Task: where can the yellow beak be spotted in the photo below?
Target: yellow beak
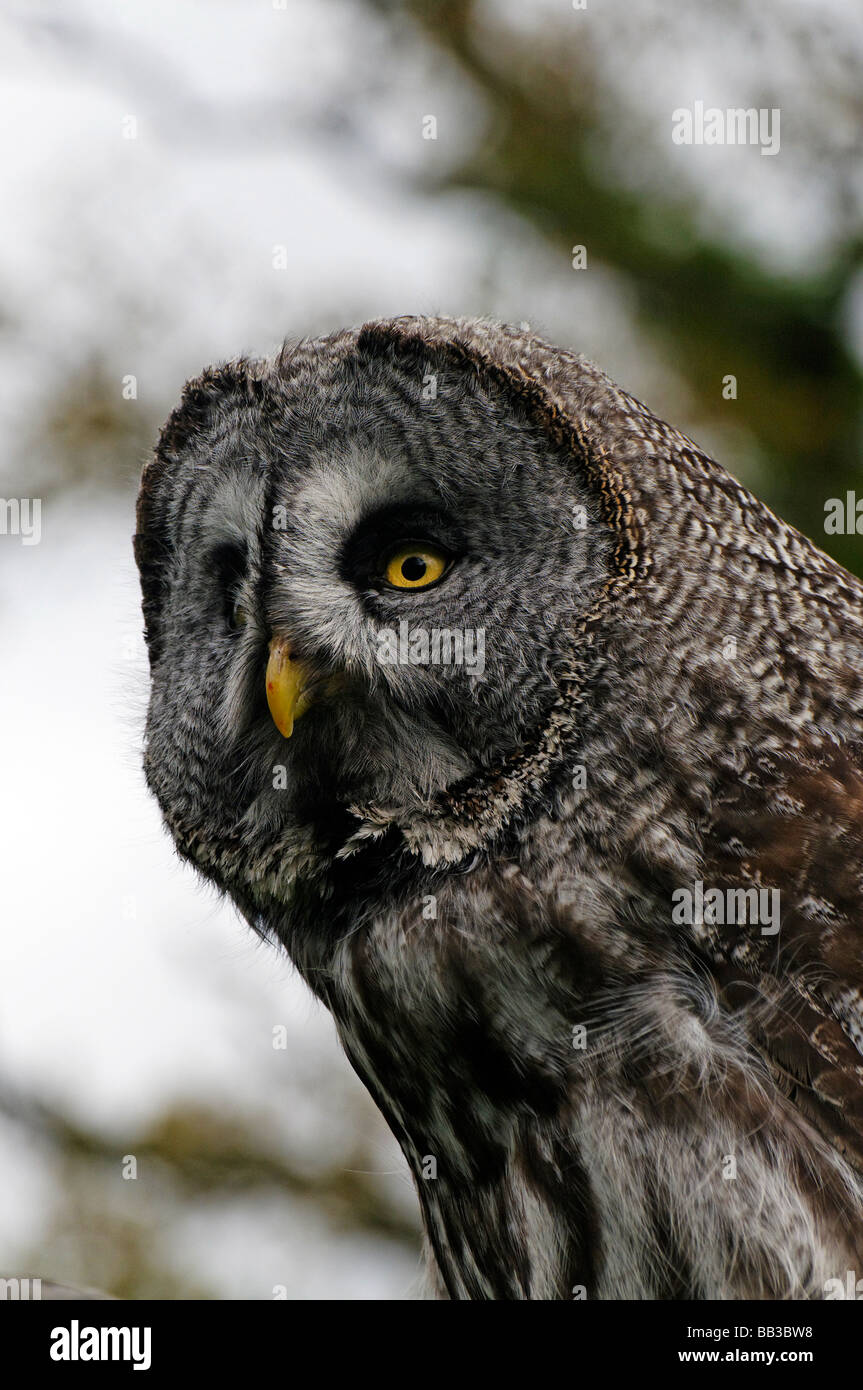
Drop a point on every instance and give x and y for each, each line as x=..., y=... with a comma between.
x=288, y=682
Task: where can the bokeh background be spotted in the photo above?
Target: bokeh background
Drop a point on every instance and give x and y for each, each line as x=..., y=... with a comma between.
x=182, y=182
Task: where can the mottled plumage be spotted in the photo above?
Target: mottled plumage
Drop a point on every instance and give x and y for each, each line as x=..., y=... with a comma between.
x=477, y=872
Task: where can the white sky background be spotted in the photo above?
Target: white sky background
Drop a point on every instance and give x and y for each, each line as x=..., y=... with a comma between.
x=123, y=985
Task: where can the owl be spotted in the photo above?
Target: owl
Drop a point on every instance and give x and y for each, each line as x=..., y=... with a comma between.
x=534, y=739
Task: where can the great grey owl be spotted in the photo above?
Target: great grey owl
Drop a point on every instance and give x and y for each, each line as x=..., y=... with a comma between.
x=532, y=736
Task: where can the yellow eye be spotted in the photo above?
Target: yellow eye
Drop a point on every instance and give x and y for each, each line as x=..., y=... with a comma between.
x=415, y=566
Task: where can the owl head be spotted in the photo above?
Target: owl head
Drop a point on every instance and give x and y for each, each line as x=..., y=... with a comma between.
x=363, y=562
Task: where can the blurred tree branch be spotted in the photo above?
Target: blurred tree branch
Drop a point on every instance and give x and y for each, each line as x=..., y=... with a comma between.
x=208, y=1152
x=188, y=1154
x=800, y=391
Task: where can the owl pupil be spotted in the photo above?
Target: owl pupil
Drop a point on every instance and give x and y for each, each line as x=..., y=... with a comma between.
x=413, y=568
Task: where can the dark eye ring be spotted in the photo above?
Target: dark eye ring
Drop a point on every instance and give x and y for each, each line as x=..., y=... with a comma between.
x=238, y=614
x=230, y=563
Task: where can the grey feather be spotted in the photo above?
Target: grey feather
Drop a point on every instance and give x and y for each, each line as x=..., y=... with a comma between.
x=475, y=868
